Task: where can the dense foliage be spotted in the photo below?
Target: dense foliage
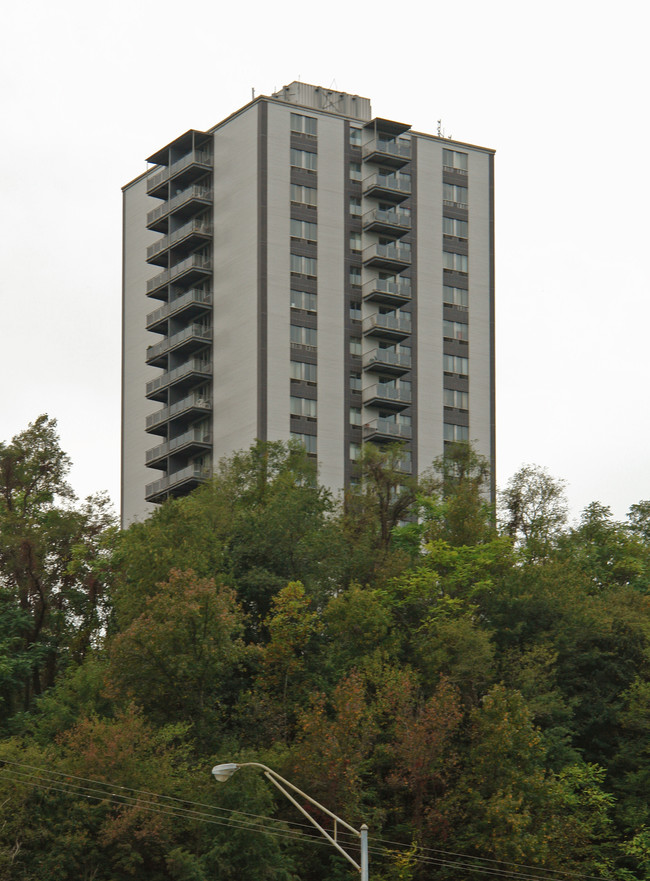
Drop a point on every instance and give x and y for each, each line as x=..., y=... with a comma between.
x=474, y=689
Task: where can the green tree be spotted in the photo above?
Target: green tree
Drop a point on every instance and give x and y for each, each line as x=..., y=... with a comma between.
x=54, y=555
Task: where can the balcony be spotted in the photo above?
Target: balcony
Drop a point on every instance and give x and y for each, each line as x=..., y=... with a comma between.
x=191, y=406
x=191, y=302
x=393, y=257
x=194, y=439
x=189, y=200
x=387, y=151
x=387, y=222
x=193, y=337
x=192, y=371
x=383, y=290
x=387, y=361
x=176, y=483
x=193, y=165
x=190, y=235
x=386, y=394
x=389, y=187
x=192, y=269
x=394, y=326
x=386, y=431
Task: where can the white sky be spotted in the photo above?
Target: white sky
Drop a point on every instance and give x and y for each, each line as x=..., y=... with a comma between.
x=558, y=89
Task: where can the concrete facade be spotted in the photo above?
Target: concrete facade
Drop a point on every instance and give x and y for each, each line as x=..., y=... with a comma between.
x=304, y=270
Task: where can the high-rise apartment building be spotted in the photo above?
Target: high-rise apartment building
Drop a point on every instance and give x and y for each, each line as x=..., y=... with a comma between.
x=305, y=270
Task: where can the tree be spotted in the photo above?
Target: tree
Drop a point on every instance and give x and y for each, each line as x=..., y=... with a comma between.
x=179, y=659
x=53, y=563
x=534, y=509
x=256, y=525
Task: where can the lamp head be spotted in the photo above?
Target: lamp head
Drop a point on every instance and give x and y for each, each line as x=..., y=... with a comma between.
x=224, y=772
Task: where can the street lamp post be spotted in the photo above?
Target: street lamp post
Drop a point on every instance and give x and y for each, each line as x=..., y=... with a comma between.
x=224, y=772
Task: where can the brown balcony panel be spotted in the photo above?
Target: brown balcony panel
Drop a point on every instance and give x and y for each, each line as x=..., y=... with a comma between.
x=387, y=361
x=387, y=326
x=381, y=290
x=193, y=337
x=191, y=372
x=190, y=304
x=385, y=431
x=194, y=440
x=176, y=484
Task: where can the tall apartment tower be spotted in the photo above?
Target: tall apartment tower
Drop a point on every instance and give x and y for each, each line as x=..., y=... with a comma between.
x=305, y=270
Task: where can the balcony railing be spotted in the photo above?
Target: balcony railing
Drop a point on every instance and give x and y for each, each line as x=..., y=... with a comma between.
x=394, y=256
x=194, y=436
x=195, y=366
x=386, y=392
x=176, y=479
x=194, y=227
x=389, y=186
x=385, y=429
x=388, y=152
x=387, y=220
x=387, y=291
x=194, y=157
x=193, y=401
x=194, y=262
x=390, y=359
x=198, y=332
x=196, y=192
x=185, y=301
x=387, y=325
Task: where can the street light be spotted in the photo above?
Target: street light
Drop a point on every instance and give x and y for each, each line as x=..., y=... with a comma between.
x=225, y=771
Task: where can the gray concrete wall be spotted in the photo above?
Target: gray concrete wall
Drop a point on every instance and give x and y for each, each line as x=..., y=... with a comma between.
x=479, y=302
x=235, y=284
x=332, y=248
x=429, y=301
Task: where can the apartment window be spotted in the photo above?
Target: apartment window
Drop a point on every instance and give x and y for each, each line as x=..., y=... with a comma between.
x=305, y=125
x=303, y=265
x=355, y=415
x=355, y=137
x=454, y=398
x=455, y=330
x=453, y=227
x=405, y=462
x=455, y=364
x=307, y=440
x=303, y=159
x=355, y=206
x=355, y=275
x=355, y=242
x=303, y=336
x=355, y=451
x=303, y=229
x=453, y=195
x=303, y=300
x=302, y=407
x=455, y=297
x=355, y=382
x=355, y=345
x=355, y=171
x=455, y=161
x=303, y=195
x=456, y=433
x=303, y=372
x=355, y=311
x=455, y=262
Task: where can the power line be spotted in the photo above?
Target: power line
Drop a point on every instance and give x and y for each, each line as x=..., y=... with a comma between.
x=48, y=779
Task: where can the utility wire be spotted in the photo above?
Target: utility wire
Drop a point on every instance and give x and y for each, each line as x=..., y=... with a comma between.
x=379, y=847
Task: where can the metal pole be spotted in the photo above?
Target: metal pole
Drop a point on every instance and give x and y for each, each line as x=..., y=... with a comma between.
x=364, y=853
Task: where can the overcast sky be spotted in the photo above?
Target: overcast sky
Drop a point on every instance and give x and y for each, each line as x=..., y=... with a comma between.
x=558, y=89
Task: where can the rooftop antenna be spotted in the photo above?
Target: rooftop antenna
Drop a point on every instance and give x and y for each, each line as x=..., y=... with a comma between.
x=253, y=94
x=439, y=129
